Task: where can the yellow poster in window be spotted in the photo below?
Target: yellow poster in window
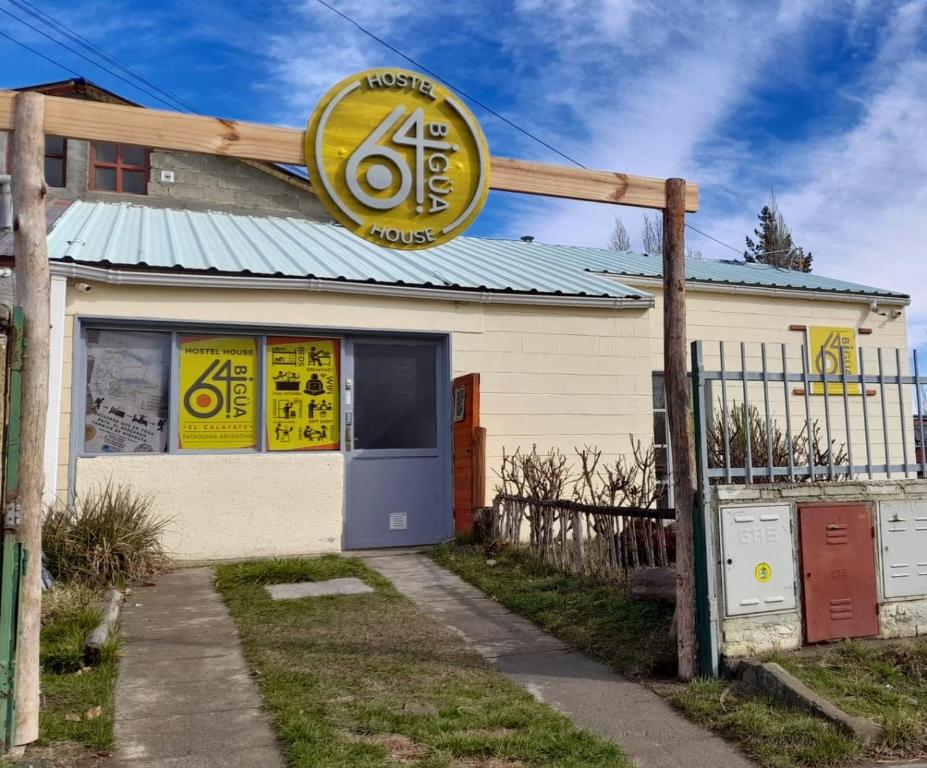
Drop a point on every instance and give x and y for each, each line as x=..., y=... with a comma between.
x=218, y=393
x=303, y=390
x=833, y=351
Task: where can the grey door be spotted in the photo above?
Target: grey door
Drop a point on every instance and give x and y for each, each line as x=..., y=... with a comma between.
x=397, y=472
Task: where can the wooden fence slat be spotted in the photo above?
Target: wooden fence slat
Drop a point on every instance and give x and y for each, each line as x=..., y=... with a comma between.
x=96, y=121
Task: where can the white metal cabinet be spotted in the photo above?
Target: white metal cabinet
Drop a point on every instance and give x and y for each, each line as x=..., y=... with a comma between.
x=759, y=566
x=903, y=545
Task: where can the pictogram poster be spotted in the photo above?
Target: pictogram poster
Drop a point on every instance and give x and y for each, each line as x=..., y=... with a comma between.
x=303, y=390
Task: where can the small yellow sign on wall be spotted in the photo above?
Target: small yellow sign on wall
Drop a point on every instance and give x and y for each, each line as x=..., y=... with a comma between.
x=218, y=392
x=397, y=158
x=833, y=351
x=303, y=390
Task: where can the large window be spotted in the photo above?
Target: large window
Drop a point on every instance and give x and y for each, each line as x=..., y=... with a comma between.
x=118, y=168
x=127, y=391
x=154, y=391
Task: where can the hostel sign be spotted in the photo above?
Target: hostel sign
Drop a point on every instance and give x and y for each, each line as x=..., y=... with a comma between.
x=397, y=159
x=833, y=352
x=218, y=392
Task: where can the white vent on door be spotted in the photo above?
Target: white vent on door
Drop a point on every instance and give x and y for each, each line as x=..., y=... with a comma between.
x=903, y=532
x=398, y=521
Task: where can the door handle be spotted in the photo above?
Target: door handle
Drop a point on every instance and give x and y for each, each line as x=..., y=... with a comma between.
x=348, y=437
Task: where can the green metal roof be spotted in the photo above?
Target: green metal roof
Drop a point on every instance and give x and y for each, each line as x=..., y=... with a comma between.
x=145, y=236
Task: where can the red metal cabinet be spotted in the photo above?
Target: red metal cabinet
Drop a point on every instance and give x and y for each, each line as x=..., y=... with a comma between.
x=838, y=572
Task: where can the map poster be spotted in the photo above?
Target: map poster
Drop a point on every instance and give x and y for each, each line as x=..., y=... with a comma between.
x=218, y=392
x=303, y=390
x=127, y=382
x=833, y=351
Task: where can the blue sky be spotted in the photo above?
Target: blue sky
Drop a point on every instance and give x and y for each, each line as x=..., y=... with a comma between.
x=824, y=102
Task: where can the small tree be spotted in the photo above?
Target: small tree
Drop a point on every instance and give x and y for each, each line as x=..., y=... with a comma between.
x=619, y=240
x=774, y=244
x=652, y=235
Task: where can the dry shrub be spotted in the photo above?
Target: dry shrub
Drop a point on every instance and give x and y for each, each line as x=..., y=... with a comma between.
x=768, y=445
x=108, y=536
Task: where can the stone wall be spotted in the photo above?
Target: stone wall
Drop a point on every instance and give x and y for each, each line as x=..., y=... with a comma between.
x=201, y=182
x=782, y=630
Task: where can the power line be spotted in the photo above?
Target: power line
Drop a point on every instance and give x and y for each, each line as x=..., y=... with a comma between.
x=40, y=55
x=462, y=92
x=61, y=28
x=85, y=58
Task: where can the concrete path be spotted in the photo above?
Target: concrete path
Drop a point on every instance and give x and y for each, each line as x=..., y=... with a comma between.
x=184, y=697
x=593, y=696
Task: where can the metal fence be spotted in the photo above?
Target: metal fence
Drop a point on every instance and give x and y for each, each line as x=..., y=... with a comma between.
x=764, y=414
x=599, y=542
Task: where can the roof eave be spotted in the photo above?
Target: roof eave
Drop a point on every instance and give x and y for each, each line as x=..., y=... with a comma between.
x=762, y=290
x=198, y=280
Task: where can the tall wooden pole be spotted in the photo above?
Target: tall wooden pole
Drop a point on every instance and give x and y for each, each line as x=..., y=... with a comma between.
x=679, y=411
x=32, y=294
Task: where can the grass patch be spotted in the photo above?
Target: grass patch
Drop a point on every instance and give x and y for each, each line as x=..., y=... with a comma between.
x=632, y=636
x=364, y=681
x=774, y=735
x=884, y=681
x=70, y=691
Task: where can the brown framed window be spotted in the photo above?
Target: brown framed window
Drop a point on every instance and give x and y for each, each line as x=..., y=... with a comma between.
x=56, y=156
x=118, y=168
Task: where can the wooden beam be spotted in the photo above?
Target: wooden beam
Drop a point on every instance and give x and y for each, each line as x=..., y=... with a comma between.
x=95, y=121
x=581, y=184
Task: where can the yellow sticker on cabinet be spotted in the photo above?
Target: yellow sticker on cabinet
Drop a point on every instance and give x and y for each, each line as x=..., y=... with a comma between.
x=763, y=572
x=303, y=390
x=833, y=352
x=218, y=392
x=397, y=159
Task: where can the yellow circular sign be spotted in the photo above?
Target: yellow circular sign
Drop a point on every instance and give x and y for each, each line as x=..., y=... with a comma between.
x=762, y=572
x=397, y=159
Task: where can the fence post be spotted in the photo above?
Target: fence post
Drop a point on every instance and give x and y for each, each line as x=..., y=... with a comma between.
x=706, y=598
x=579, y=555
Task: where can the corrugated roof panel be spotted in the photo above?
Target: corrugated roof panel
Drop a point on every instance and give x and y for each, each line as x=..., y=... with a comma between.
x=162, y=238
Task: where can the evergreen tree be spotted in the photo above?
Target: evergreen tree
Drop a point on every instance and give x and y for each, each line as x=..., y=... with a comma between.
x=774, y=244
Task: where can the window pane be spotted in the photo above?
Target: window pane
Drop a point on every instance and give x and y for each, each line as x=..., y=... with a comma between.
x=104, y=152
x=659, y=393
x=135, y=182
x=54, y=171
x=105, y=179
x=54, y=145
x=659, y=428
x=127, y=385
x=218, y=393
x=303, y=391
x=395, y=396
x=133, y=155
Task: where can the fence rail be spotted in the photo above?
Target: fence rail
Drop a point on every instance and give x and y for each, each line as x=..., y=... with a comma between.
x=754, y=426
x=599, y=542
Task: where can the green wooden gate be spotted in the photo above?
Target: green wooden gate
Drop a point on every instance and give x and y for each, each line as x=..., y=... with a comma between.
x=12, y=555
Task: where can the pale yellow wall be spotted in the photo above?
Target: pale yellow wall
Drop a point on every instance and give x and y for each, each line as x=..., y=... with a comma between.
x=232, y=506
x=555, y=377
x=754, y=319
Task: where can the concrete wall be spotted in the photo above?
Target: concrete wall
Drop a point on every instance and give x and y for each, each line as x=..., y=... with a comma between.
x=782, y=630
x=232, y=506
x=201, y=182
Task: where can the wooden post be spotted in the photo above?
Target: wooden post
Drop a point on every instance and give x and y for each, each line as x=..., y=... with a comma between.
x=679, y=411
x=32, y=294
